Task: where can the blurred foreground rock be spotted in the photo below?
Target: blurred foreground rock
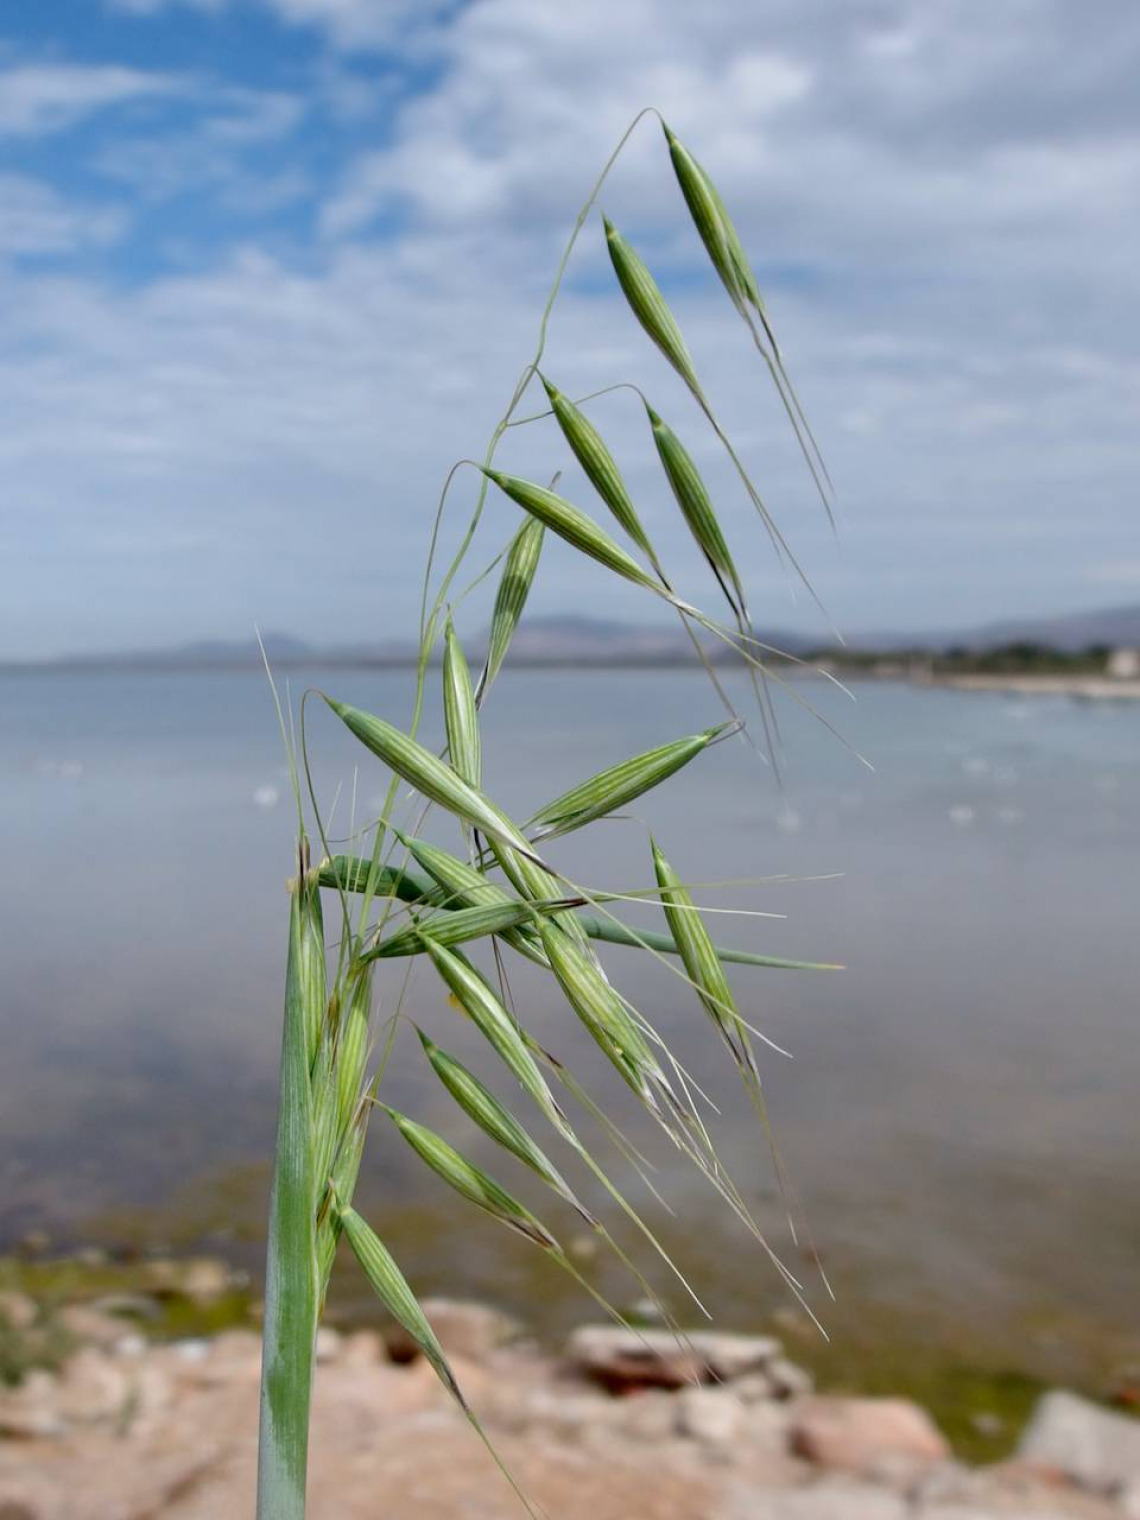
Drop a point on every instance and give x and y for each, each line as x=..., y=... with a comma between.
x=623, y=1427
x=1084, y=1443
x=622, y=1360
x=865, y=1435
x=462, y=1329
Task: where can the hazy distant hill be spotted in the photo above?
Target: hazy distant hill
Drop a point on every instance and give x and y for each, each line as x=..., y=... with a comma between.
x=1069, y=631
x=1076, y=630
x=282, y=650
x=561, y=640
x=572, y=639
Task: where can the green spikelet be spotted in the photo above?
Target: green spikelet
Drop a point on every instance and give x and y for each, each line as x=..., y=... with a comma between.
x=649, y=306
x=598, y=463
x=510, y=599
x=459, y=714
x=697, y=509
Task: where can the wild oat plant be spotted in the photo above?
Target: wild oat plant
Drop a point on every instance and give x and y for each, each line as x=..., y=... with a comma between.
x=403, y=897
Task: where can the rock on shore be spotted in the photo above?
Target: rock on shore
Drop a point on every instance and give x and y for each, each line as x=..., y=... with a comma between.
x=624, y=1426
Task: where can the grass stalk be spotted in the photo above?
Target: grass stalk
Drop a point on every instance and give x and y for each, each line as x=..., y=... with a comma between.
x=290, y=1324
x=447, y=907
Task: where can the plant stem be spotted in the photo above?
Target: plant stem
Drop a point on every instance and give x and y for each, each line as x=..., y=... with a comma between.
x=289, y=1326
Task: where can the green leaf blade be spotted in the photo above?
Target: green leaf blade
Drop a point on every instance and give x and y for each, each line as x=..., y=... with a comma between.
x=612, y=932
x=290, y=1321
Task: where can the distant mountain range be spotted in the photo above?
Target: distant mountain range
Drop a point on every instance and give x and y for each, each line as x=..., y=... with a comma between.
x=1070, y=632
x=575, y=640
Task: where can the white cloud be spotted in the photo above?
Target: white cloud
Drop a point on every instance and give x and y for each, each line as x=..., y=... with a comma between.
x=942, y=201
x=349, y=24
x=849, y=162
x=42, y=98
x=211, y=151
x=244, y=117
x=364, y=23
x=35, y=220
x=506, y=132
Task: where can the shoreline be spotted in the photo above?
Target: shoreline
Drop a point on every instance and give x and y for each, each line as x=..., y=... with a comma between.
x=148, y=1406
x=1084, y=688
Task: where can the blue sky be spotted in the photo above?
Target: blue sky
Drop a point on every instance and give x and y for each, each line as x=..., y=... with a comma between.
x=267, y=267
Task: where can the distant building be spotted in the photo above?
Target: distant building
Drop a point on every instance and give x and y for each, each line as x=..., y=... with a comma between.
x=1124, y=665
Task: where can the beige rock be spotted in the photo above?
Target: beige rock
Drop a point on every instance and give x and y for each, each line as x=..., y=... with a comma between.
x=463, y=1329
x=620, y=1358
x=948, y=1483
x=993, y=1500
x=17, y=1509
x=388, y=1440
x=713, y=1416
x=897, y=1470
x=92, y=1387
x=764, y=1432
x=753, y=1388
x=856, y=1435
x=361, y=1348
x=412, y=1388
x=472, y=1376
x=572, y=1416
x=30, y=1412
x=431, y=1466
x=233, y=1357
x=17, y=1310
x=150, y=1395
x=787, y=1381
x=91, y=1327
x=187, y=1354
x=328, y=1345
x=1088, y=1444
x=199, y=1278
x=647, y=1416
x=817, y=1501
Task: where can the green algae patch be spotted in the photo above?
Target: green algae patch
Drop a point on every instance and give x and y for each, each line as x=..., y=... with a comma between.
x=40, y=1343
x=159, y=1298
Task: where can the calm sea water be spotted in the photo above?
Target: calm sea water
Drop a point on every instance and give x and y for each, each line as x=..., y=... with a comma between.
x=960, y=1116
